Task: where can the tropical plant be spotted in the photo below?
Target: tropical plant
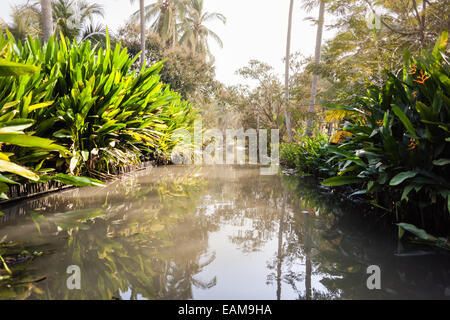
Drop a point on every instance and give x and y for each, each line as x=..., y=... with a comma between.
x=164, y=14
x=105, y=115
x=185, y=71
x=397, y=140
x=286, y=75
x=142, y=29
x=26, y=20
x=14, y=120
x=317, y=55
x=195, y=34
x=71, y=17
x=309, y=155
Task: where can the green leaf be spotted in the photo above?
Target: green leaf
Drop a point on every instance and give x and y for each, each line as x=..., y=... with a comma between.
x=441, y=45
x=406, y=191
x=7, y=180
x=398, y=179
x=401, y=232
x=16, y=125
x=341, y=181
x=78, y=181
x=404, y=119
x=7, y=166
x=441, y=162
x=8, y=68
x=24, y=140
x=40, y=106
x=420, y=233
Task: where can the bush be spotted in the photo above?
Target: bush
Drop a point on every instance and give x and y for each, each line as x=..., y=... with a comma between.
x=397, y=150
x=309, y=155
x=99, y=113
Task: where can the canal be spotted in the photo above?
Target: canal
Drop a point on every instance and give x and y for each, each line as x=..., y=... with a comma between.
x=207, y=233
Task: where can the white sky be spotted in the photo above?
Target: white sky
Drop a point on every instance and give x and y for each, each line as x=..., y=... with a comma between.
x=256, y=29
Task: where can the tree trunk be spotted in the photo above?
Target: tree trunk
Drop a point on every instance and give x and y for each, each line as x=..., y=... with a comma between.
x=315, y=81
x=288, y=56
x=47, y=19
x=142, y=14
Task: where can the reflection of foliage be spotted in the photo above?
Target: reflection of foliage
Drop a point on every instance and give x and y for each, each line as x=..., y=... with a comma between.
x=345, y=244
x=118, y=245
x=147, y=237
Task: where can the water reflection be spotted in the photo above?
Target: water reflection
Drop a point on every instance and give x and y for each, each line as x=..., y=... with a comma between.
x=205, y=233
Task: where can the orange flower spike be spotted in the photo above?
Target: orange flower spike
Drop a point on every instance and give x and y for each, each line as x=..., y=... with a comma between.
x=380, y=123
x=414, y=94
x=422, y=78
x=413, y=70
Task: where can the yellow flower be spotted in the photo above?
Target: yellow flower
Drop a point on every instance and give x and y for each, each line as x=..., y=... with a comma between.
x=380, y=123
x=413, y=144
x=4, y=53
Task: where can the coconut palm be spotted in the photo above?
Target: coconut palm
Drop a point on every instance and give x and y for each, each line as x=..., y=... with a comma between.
x=47, y=21
x=318, y=50
x=94, y=32
x=26, y=20
x=71, y=16
x=288, y=56
x=195, y=34
x=164, y=14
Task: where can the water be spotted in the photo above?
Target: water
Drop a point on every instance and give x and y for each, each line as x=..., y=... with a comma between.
x=208, y=233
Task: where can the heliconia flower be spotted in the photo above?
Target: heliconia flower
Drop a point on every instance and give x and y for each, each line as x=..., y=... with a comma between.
x=380, y=123
x=413, y=70
x=422, y=78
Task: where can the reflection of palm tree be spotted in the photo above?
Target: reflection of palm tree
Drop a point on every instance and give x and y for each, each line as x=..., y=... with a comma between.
x=280, y=247
x=308, y=267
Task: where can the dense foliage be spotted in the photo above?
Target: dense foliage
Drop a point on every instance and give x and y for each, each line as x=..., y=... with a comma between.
x=309, y=155
x=393, y=146
x=99, y=113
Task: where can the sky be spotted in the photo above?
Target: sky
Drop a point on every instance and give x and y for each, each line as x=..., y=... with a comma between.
x=255, y=29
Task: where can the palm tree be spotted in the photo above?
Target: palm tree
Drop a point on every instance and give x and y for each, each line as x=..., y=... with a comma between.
x=316, y=62
x=71, y=16
x=94, y=32
x=26, y=20
x=165, y=14
x=194, y=32
x=142, y=20
x=47, y=21
x=288, y=56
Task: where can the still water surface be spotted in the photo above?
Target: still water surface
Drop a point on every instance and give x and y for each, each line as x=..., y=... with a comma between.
x=208, y=233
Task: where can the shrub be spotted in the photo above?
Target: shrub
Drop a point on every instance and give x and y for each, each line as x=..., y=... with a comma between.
x=309, y=155
x=90, y=102
x=397, y=149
